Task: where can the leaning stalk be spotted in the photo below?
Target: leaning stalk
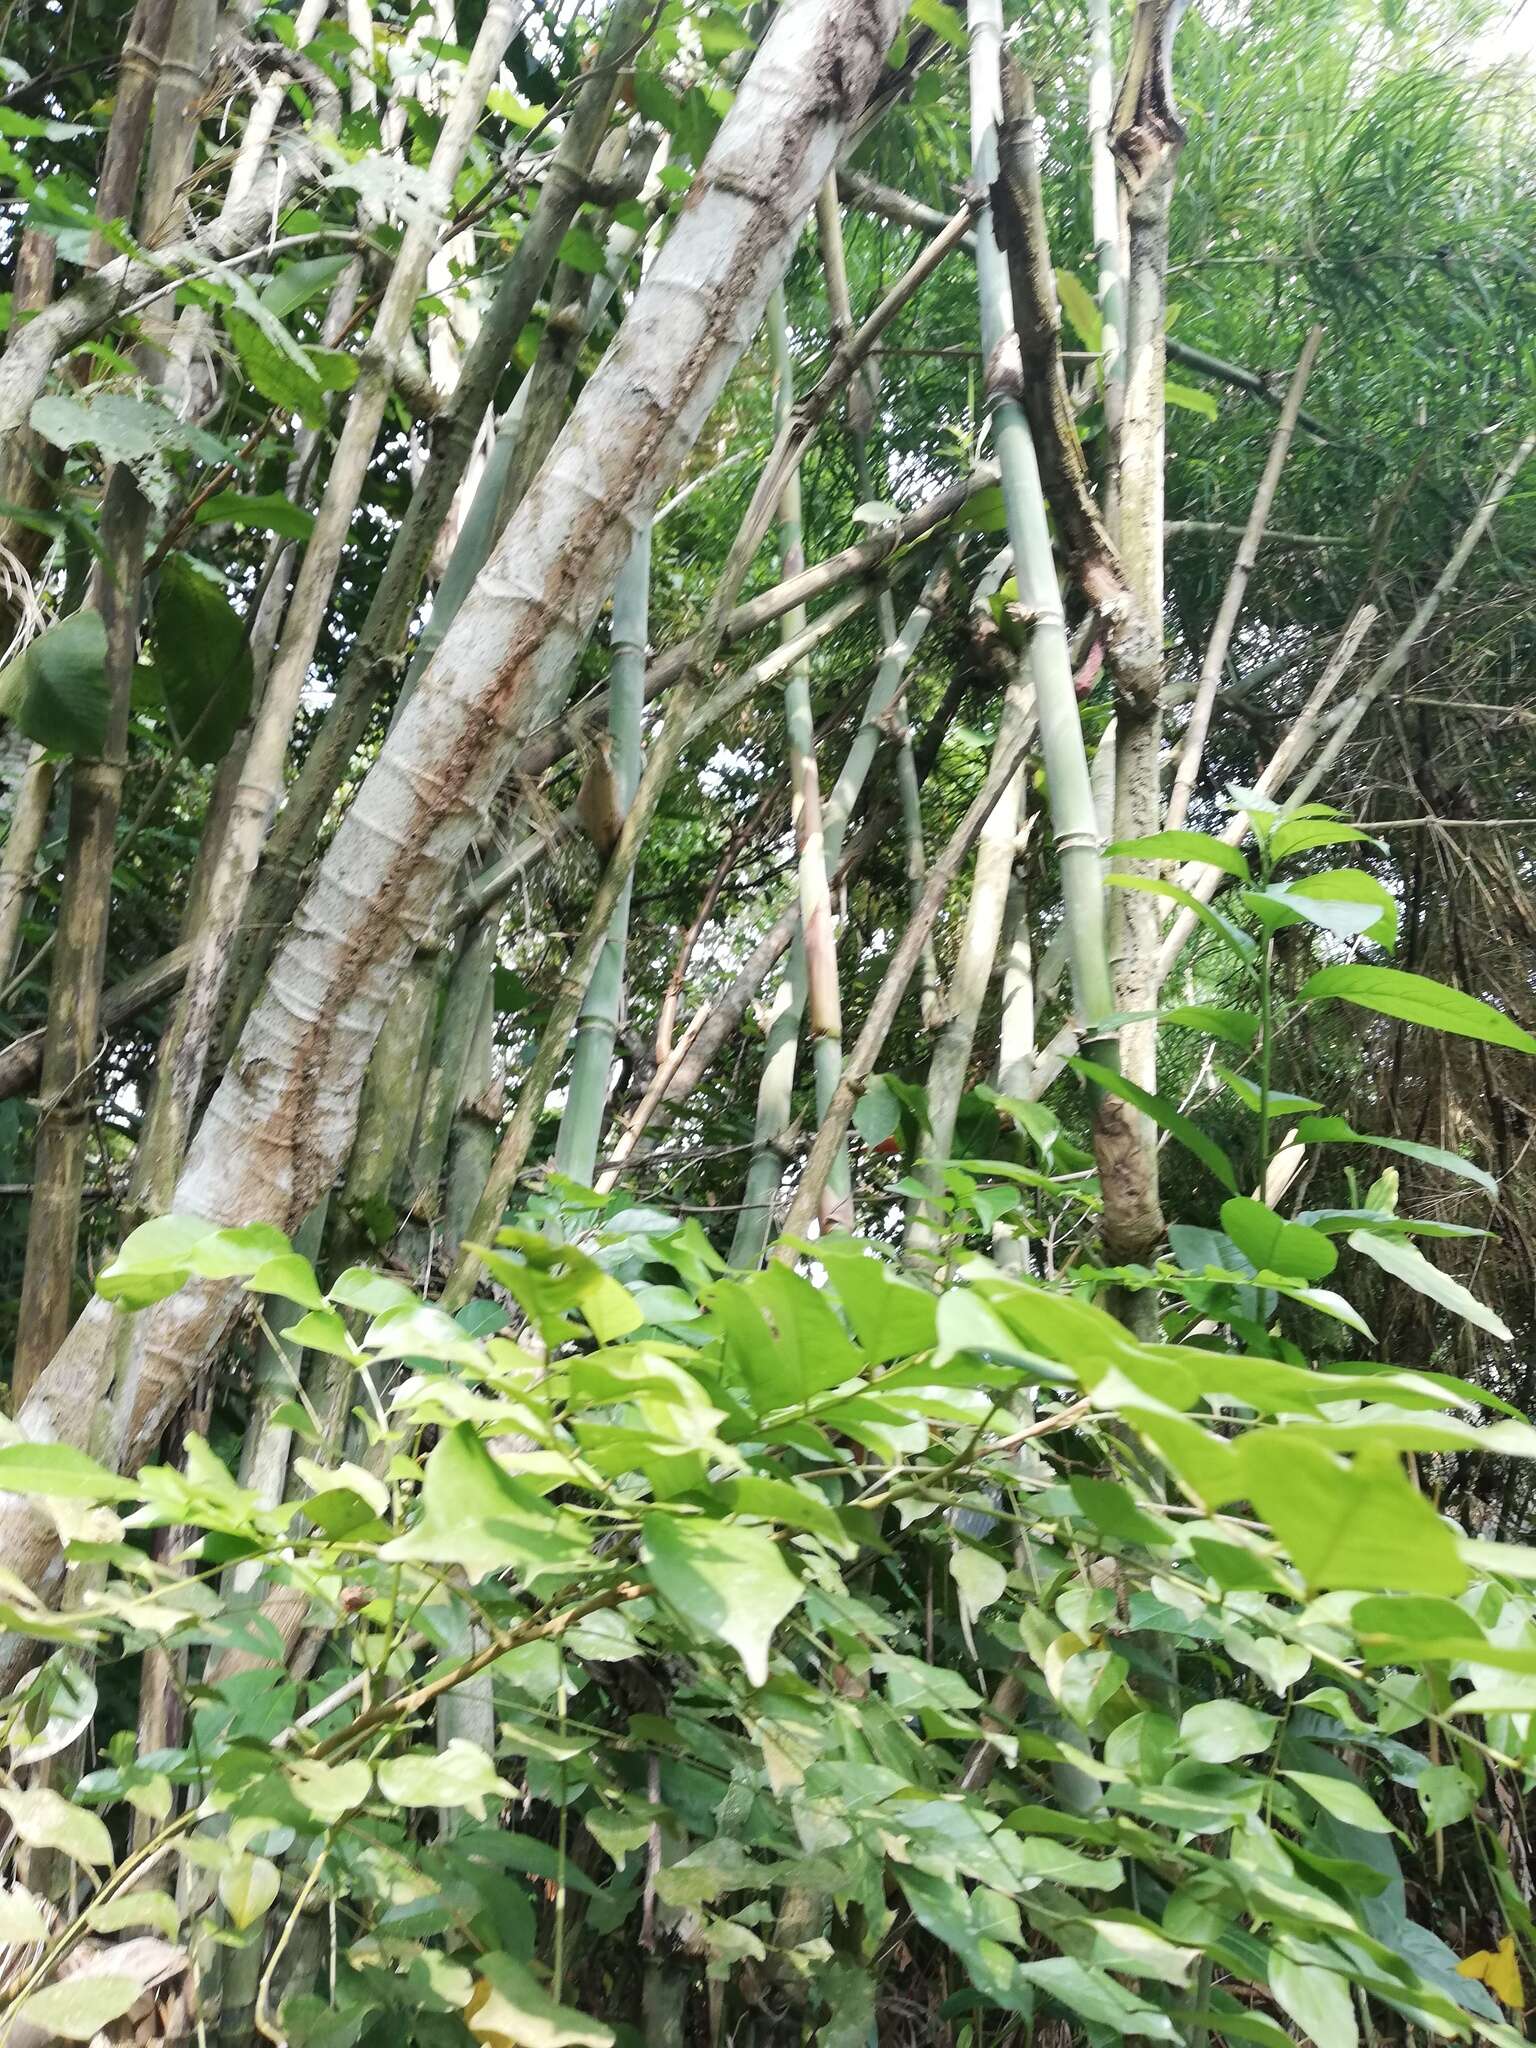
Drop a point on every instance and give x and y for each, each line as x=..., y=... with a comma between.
x=586, y=1099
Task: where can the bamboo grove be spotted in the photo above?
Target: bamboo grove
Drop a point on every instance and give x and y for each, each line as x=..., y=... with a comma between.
x=767, y=866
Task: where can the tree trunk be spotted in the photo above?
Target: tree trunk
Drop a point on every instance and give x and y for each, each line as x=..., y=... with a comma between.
x=282, y=1118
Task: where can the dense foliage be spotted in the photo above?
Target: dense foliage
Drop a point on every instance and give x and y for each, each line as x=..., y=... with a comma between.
x=539, y=1602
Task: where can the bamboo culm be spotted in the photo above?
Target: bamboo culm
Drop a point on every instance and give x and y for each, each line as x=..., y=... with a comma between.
x=581, y=1120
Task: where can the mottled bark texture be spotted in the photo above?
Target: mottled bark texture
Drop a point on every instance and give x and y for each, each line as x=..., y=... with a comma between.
x=282, y=1118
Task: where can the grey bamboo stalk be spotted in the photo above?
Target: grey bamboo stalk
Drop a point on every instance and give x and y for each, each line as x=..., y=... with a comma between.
x=96, y=787
x=909, y=793
x=185, y=1050
x=443, y=1081
x=1016, y=1036
x=586, y=1099
x=1188, y=770
x=833, y=1128
x=1200, y=879
x=1108, y=240
x=138, y=73
x=23, y=842
x=981, y=931
x=1130, y=628
x=75, y=985
x=276, y=1380
x=1147, y=141
x=472, y=1143
x=280, y=1123
x=813, y=954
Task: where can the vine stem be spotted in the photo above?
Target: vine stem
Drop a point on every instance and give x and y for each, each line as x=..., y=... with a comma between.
x=263, y=2025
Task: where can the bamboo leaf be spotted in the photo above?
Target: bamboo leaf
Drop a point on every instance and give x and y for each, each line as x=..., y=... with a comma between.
x=1081, y=308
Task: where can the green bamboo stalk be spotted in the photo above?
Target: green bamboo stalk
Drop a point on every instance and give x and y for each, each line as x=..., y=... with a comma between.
x=1050, y=665
x=581, y=1120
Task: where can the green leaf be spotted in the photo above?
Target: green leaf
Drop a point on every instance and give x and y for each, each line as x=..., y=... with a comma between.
x=269, y=512
x=247, y=1887
x=509, y=2008
x=1302, y=834
x=1407, y=1263
x=59, y=1470
x=1221, y=1731
x=1186, y=846
x=582, y=251
x=1317, y=2000
x=1236, y=1027
x=1273, y=1244
x=1280, y=1104
x=462, y=1774
x=1345, y=901
x=1096, y=1997
x=1149, y=885
x=1344, y=1799
x=1417, y=1000
x=945, y=21
x=288, y=381
x=202, y=660
x=136, y=1909
x=476, y=1515
x=80, y=2007
x=980, y=1580
x=1360, y=1525
x=132, y=431
x=21, y=1916
x=297, y=283
x=1191, y=399
x=726, y=1579
x=329, y=1791
x=1334, y=1130
x=1446, y=1794
x=1081, y=309
x=798, y=1505
x=291, y=1277
x=55, y=690
x=45, y=1820
x=1162, y=1113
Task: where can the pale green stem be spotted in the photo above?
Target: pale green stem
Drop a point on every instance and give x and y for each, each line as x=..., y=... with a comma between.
x=586, y=1099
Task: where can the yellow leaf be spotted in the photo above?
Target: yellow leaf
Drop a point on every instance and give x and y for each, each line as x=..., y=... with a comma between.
x=1500, y=1971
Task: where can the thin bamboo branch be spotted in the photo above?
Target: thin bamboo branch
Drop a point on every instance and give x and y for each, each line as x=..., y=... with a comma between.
x=1232, y=597
x=833, y=1128
x=1392, y=663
